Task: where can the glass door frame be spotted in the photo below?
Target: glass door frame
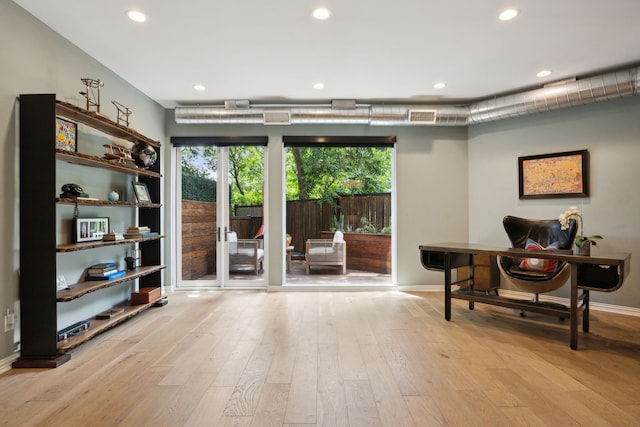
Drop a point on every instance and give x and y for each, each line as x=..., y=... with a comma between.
x=222, y=278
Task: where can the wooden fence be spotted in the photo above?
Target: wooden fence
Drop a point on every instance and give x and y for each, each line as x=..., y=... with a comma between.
x=305, y=220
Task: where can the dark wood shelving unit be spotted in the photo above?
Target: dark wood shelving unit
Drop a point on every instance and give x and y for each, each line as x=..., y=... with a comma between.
x=71, y=247
x=81, y=202
x=85, y=287
x=102, y=123
x=95, y=161
x=39, y=298
x=97, y=326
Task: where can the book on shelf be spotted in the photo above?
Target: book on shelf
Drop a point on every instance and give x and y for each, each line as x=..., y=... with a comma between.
x=140, y=235
x=112, y=237
x=141, y=229
x=101, y=272
x=110, y=264
x=115, y=275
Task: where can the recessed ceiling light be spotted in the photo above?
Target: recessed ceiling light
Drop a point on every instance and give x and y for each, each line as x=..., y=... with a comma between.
x=136, y=15
x=508, y=14
x=321, y=13
x=318, y=86
x=199, y=88
x=439, y=85
x=544, y=73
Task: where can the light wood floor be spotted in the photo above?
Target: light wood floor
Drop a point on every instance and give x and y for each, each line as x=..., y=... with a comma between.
x=250, y=358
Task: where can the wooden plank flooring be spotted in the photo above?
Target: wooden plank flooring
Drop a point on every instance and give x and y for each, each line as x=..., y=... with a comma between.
x=252, y=358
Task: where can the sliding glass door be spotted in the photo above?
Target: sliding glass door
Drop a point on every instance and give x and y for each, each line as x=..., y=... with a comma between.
x=220, y=215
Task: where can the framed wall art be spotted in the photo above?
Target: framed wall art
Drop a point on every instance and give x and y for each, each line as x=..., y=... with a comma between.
x=552, y=175
x=66, y=135
x=90, y=229
x=142, y=192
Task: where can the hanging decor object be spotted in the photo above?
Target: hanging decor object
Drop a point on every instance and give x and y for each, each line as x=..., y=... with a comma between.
x=144, y=155
x=92, y=93
x=123, y=113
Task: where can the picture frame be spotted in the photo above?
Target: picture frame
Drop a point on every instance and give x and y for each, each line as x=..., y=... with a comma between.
x=554, y=175
x=142, y=192
x=90, y=229
x=61, y=283
x=66, y=135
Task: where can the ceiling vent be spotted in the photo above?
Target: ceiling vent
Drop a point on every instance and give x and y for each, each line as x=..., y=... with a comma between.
x=277, y=117
x=420, y=117
x=343, y=104
x=237, y=104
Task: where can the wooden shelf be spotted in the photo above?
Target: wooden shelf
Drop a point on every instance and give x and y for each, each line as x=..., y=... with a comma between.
x=98, y=326
x=102, y=123
x=85, y=287
x=41, y=166
x=99, y=243
x=95, y=161
x=80, y=202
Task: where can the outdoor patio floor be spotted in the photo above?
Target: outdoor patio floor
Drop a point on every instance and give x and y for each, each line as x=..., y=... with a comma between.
x=321, y=276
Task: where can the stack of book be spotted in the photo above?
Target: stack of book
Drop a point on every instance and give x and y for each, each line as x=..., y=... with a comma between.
x=139, y=232
x=112, y=237
x=104, y=271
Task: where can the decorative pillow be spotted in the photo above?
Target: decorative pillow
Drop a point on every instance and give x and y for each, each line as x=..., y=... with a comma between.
x=539, y=264
x=338, y=238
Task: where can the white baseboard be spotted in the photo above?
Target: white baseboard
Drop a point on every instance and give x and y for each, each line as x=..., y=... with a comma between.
x=598, y=306
x=5, y=364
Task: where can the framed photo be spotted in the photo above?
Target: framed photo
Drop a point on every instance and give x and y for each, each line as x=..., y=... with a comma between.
x=66, y=135
x=552, y=175
x=61, y=283
x=142, y=192
x=90, y=229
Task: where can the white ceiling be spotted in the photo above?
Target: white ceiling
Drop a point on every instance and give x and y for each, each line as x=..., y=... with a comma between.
x=369, y=50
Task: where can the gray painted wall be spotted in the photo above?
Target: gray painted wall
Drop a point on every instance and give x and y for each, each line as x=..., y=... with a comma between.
x=611, y=132
x=431, y=181
x=37, y=60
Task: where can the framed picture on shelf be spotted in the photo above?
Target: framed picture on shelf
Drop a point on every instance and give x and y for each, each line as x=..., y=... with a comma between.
x=90, y=229
x=552, y=175
x=142, y=192
x=66, y=135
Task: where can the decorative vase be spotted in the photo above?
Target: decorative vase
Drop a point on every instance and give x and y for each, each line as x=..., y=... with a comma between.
x=288, y=241
x=113, y=196
x=585, y=250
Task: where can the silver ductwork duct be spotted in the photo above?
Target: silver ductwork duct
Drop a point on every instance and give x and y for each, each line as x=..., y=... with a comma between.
x=555, y=96
x=572, y=93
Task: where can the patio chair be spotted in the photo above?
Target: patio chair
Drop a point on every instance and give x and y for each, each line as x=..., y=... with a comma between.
x=245, y=254
x=327, y=252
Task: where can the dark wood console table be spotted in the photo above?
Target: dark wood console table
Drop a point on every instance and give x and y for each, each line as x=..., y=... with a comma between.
x=603, y=272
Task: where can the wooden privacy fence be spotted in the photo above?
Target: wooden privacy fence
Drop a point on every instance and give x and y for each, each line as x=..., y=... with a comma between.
x=198, y=239
x=305, y=220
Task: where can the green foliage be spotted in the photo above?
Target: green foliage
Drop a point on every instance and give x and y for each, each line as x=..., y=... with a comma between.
x=366, y=226
x=246, y=171
x=322, y=173
x=198, y=188
x=325, y=172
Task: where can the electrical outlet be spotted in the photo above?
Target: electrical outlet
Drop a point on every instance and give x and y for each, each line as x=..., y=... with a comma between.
x=9, y=321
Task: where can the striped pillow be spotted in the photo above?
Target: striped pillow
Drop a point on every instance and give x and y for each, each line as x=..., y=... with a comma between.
x=539, y=264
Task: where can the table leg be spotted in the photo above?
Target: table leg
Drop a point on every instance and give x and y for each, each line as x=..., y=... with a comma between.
x=447, y=286
x=472, y=281
x=573, y=309
x=585, y=313
x=288, y=261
